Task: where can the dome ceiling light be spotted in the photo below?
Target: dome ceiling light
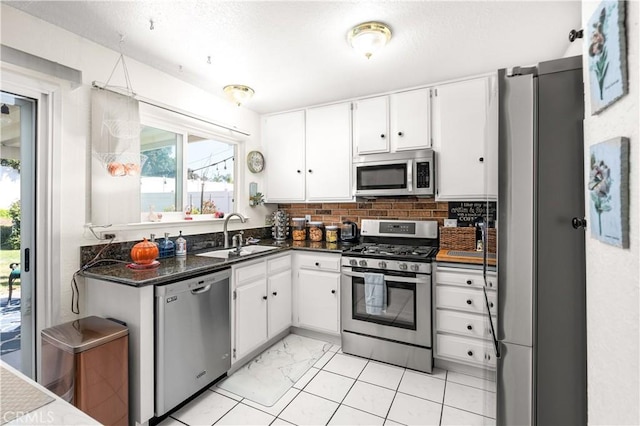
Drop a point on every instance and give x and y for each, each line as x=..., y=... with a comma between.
x=369, y=37
x=238, y=93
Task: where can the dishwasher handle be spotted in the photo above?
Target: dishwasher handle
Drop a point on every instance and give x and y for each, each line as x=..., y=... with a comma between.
x=201, y=290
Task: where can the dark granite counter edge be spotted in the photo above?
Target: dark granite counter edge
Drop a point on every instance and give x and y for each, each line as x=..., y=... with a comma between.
x=208, y=265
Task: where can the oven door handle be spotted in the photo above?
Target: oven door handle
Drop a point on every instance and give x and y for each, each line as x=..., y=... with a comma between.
x=425, y=280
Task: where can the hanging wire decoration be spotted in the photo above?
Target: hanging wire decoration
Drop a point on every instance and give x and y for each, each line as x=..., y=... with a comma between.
x=130, y=127
x=119, y=134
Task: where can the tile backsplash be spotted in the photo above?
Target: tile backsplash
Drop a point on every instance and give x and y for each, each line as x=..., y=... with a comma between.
x=383, y=208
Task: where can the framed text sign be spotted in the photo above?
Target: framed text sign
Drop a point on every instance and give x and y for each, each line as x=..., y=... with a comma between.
x=466, y=212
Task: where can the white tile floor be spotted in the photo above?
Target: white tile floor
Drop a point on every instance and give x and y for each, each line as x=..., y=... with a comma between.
x=341, y=389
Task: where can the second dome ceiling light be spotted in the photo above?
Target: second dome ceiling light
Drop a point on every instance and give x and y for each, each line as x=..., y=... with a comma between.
x=366, y=38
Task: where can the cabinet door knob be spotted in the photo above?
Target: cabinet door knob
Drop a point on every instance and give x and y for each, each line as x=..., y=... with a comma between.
x=470, y=353
x=317, y=263
x=469, y=327
x=310, y=171
x=333, y=292
x=490, y=283
x=275, y=293
x=297, y=171
x=481, y=159
x=491, y=304
x=264, y=297
x=577, y=222
x=382, y=136
x=469, y=282
x=469, y=301
x=399, y=133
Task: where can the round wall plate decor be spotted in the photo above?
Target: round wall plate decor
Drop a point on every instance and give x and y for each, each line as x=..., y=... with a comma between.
x=255, y=161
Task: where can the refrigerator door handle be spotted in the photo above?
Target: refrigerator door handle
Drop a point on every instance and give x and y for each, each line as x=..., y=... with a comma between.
x=496, y=343
x=484, y=233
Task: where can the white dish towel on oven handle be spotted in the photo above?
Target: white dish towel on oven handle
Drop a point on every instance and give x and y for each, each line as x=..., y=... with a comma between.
x=375, y=293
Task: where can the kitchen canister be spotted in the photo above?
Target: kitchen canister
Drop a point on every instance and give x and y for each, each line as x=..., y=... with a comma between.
x=331, y=233
x=299, y=229
x=280, y=228
x=316, y=231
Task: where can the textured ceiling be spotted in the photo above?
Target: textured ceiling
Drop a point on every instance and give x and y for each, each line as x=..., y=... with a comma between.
x=295, y=53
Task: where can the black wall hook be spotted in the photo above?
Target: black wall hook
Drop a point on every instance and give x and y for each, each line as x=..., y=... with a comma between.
x=573, y=35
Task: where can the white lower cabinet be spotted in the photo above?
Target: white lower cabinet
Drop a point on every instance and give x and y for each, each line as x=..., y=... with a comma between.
x=462, y=318
x=468, y=351
x=317, y=291
x=261, y=302
x=251, y=317
x=279, y=294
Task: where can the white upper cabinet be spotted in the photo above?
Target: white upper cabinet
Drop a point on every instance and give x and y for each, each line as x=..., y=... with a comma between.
x=284, y=142
x=410, y=120
x=371, y=125
x=397, y=122
x=309, y=154
x=465, y=118
x=329, y=153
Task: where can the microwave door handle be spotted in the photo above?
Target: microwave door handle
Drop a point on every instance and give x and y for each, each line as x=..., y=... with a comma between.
x=410, y=175
x=418, y=280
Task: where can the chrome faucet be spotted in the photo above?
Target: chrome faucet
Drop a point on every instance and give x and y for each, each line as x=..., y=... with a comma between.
x=226, y=224
x=236, y=241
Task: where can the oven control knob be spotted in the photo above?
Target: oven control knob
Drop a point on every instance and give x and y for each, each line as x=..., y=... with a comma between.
x=382, y=264
x=403, y=266
x=353, y=262
x=415, y=267
x=363, y=263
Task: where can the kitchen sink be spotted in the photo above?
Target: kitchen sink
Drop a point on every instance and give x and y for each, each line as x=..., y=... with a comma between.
x=231, y=253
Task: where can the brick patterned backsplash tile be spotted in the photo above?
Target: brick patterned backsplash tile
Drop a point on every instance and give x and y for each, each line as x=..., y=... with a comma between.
x=387, y=208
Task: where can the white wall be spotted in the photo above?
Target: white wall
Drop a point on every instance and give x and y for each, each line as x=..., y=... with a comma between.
x=613, y=302
x=72, y=137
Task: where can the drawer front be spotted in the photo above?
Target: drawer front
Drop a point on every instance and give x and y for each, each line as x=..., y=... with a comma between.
x=465, y=278
x=468, y=350
x=470, y=325
x=249, y=273
x=465, y=299
x=319, y=261
x=278, y=264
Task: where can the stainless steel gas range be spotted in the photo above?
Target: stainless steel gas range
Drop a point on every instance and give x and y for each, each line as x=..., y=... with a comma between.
x=386, y=293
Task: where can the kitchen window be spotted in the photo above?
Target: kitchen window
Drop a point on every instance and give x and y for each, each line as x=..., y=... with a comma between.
x=190, y=168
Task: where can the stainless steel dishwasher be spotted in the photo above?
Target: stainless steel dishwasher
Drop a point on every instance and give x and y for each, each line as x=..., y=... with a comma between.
x=193, y=337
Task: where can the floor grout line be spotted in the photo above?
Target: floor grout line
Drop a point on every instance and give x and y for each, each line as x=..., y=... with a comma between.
x=396, y=389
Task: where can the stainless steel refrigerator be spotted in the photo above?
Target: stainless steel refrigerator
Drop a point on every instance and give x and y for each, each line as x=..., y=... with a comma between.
x=541, y=330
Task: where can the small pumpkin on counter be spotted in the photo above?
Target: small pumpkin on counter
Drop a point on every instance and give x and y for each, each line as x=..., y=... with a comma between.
x=144, y=253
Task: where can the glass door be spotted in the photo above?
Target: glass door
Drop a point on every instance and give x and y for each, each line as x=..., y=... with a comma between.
x=399, y=307
x=17, y=231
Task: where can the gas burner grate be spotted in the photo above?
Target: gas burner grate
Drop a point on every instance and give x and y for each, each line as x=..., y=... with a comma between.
x=391, y=250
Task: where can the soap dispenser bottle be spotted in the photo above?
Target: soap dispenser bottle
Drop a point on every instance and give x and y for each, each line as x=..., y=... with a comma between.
x=181, y=246
x=167, y=248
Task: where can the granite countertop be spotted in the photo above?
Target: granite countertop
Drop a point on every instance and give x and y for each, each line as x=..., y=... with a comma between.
x=177, y=268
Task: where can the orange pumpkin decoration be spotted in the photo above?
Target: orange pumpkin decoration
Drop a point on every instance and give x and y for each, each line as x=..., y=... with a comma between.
x=144, y=253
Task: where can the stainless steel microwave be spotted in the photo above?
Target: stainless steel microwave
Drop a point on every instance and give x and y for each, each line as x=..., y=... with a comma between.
x=395, y=174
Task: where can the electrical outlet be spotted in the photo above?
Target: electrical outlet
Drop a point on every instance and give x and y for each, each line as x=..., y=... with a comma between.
x=307, y=217
x=108, y=236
